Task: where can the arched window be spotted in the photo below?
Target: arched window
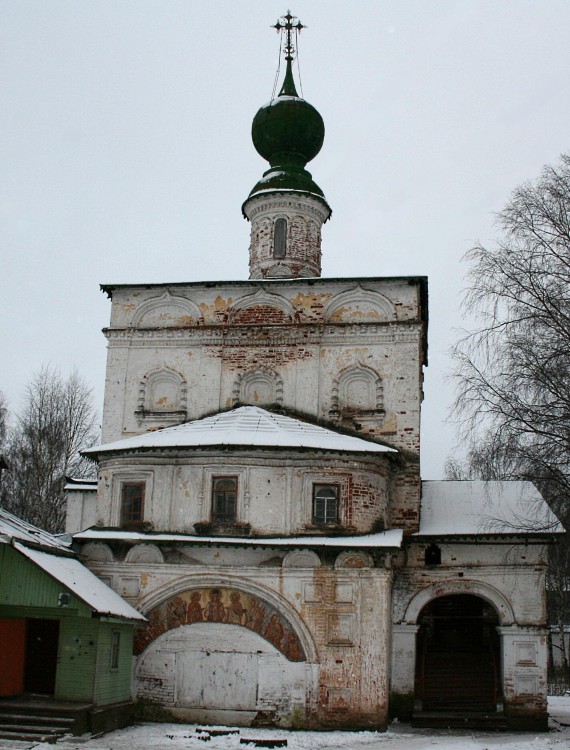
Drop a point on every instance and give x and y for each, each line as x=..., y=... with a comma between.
x=325, y=504
x=280, y=238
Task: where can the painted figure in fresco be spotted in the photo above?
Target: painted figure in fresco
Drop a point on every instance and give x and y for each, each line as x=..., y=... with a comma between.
x=292, y=647
x=194, y=612
x=274, y=631
x=176, y=612
x=255, y=615
x=215, y=610
x=236, y=611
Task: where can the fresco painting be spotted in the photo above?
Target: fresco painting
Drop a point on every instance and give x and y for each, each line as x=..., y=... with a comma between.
x=222, y=605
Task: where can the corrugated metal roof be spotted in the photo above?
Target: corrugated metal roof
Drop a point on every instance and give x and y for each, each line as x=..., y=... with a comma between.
x=82, y=582
x=460, y=508
x=15, y=528
x=244, y=426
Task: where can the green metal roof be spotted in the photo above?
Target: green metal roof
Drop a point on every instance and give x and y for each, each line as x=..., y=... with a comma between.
x=288, y=132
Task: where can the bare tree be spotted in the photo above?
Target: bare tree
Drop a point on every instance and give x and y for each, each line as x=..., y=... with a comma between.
x=3, y=436
x=3, y=420
x=513, y=371
x=57, y=421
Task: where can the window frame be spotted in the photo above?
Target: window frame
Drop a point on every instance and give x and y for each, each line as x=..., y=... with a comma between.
x=131, y=521
x=280, y=238
x=327, y=520
x=115, y=652
x=224, y=517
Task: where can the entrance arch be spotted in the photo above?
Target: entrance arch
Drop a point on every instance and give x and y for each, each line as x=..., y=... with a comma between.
x=224, y=604
x=225, y=654
x=458, y=654
x=209, y=669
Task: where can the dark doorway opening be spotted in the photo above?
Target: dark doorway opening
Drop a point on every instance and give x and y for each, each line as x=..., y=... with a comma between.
x=458, y=655
x=42, y=642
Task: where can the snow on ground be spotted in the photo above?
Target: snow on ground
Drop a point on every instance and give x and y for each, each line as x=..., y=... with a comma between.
x=399, y=737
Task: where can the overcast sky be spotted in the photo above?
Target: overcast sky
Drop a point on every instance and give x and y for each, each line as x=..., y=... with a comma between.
x=125, y=152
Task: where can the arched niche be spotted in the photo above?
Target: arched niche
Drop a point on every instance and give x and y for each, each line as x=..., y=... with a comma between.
x=258, y=387
x=357, y=390
x=279, y=271
x=147, y=554
x=359, y=304
x=97, y=552
x=299, y=234
x=163, y=396
x=354, y=559
x=261, y=308
x=167, y=311
x=301, y=558
x=313, y=233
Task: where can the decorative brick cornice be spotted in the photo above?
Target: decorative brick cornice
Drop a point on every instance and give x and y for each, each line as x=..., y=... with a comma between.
x=269, y=203
x=368, y=334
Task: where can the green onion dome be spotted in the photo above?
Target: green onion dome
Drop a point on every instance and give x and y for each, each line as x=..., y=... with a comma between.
x=288, y=132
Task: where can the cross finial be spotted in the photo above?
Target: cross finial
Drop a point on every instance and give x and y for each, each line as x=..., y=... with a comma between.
x=285, y=23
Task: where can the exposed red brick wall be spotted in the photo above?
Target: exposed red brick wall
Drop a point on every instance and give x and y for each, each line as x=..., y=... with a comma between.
x=261, y=315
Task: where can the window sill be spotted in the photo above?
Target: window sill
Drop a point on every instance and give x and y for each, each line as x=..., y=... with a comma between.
x=143, y=527
x=219, y=528
x=326, y=529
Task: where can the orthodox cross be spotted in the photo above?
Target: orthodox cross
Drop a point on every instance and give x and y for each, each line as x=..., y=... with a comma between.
x=285, y=23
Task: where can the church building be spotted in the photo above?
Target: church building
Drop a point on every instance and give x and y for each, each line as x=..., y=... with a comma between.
x=259, y=497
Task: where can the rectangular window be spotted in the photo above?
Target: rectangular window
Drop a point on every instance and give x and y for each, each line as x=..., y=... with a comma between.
x=115, y=649
x=325, y=504
x=132, y=502
x=224, y=499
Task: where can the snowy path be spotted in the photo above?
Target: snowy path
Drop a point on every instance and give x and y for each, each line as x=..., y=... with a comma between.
x=400, y=737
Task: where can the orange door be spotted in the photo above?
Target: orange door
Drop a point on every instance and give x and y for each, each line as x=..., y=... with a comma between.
x=12, y=656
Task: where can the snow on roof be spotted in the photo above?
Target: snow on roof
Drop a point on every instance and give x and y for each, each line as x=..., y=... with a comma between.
x=244, y=426
x=384, y=539
x=14, y=528
x=78, y=487
x=81, y=582
x=313, y=280
x=484, y=507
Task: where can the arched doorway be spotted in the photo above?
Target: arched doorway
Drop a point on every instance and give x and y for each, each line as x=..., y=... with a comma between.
x=212, y=668
x=219, y=654
x=458, y=655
